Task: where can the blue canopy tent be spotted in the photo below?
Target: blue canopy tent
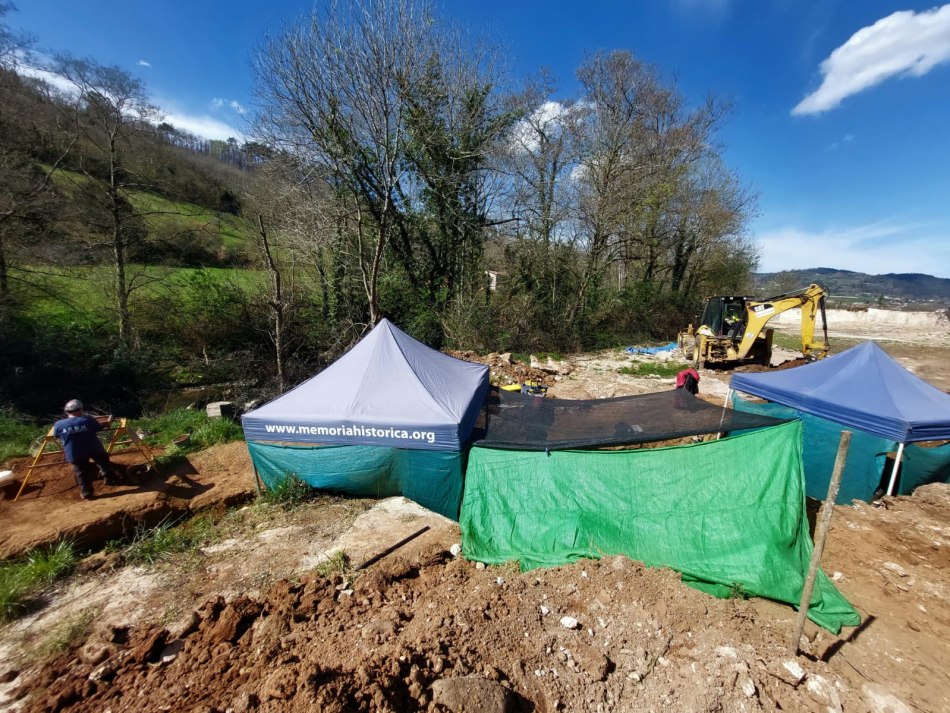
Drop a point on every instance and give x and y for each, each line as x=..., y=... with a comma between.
x=391, y=416
x=863, y=389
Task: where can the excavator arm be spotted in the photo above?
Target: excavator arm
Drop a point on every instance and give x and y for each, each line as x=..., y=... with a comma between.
x=758, y=313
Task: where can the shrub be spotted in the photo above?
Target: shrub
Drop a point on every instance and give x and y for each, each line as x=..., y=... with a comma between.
x=288, y=492
x=40, y=568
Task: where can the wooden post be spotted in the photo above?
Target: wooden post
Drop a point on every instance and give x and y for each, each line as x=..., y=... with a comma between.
x=821, y=535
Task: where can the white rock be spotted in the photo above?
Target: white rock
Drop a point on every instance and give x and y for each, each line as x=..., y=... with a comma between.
x=796, y=671
x=836, y=577
x=499, y=581
x=569, y=622
x=479, y=565
x=545, y=611
x=456, y=549
x=747, y=685
x=727, y=652
x=895, y=568
x=823, y=692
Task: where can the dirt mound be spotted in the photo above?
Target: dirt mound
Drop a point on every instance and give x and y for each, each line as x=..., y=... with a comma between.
x=591, y=636
x=755, y=368
x=504, y=369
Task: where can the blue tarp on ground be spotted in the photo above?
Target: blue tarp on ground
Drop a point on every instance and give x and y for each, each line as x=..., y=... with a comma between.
x=862, y=388
x=650, y=350
x=388, y=390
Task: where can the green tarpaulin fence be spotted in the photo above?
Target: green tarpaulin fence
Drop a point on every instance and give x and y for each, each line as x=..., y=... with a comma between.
x=431, y=478
x=867, y=457
x=728, y=514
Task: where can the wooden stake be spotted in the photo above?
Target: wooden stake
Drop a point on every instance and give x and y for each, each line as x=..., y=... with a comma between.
x=821, y=535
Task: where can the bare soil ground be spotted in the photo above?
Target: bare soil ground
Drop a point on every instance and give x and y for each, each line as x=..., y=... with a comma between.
x=50, y=507
x=643, y=640
x=264, y=617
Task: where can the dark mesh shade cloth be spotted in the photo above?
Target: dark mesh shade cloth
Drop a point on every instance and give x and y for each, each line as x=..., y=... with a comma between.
x=517, y=421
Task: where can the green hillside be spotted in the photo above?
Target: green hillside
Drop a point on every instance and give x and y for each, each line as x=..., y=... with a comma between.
x=224, y=236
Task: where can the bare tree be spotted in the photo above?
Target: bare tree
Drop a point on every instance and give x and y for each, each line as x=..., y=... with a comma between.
x=276, y=302
x=113, y=110
x=330, y=90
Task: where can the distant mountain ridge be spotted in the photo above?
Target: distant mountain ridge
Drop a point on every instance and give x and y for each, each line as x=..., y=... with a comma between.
x=846, y=283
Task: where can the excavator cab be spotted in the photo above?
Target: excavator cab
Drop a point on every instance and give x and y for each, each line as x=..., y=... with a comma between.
x=734, y=329
x=724, y=316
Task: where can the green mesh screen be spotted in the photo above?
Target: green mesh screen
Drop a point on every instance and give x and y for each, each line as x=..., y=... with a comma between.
x=728, y=514
x=867, y=453
x=431, y=478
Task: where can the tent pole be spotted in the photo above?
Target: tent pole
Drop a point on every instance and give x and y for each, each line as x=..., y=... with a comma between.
x=897, y=467
x=723, y=417
x=821, y=534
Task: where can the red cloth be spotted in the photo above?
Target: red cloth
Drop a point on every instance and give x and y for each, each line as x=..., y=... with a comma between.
x=681, y=377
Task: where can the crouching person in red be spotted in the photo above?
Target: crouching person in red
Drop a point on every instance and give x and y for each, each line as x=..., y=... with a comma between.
x=78, y=434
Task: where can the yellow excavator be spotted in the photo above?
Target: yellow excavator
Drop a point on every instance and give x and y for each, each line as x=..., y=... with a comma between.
x=732, y=329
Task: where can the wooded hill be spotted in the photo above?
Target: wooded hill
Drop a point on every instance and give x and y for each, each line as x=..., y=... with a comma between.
x=411, y=176
x=845, y=283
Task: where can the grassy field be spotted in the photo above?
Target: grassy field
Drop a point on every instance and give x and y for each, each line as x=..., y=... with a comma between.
x=167, y=217
x=81, y=296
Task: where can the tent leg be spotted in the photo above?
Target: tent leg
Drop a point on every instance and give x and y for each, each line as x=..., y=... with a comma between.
x=897, y=467
x=723, y=417
x=257, y=482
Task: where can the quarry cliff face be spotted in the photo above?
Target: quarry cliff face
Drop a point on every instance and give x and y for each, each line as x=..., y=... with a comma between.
x=937, y=321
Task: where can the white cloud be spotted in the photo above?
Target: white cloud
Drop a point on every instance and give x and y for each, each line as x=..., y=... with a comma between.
x=217, y=103
x=237, y=107
x=546, y=118
x=206, y=126
x=876, y=248
x=56, y=81
x=143, y=63
x=902, y=44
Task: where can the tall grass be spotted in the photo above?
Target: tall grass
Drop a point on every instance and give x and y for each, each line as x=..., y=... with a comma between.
x=16, y=434
x=22, y=579
x=170, y=537
x=205, y=432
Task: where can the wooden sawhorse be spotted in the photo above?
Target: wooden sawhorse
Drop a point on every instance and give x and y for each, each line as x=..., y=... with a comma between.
x=118, y=427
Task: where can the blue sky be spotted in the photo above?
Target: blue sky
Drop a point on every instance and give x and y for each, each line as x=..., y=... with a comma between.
x=858, y=177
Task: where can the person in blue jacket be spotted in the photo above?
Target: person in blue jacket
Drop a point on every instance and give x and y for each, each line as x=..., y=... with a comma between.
x=80, y=439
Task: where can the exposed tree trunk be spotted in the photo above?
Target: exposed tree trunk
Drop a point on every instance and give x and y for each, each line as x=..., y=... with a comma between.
x=276, y=302
x=118, y=250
